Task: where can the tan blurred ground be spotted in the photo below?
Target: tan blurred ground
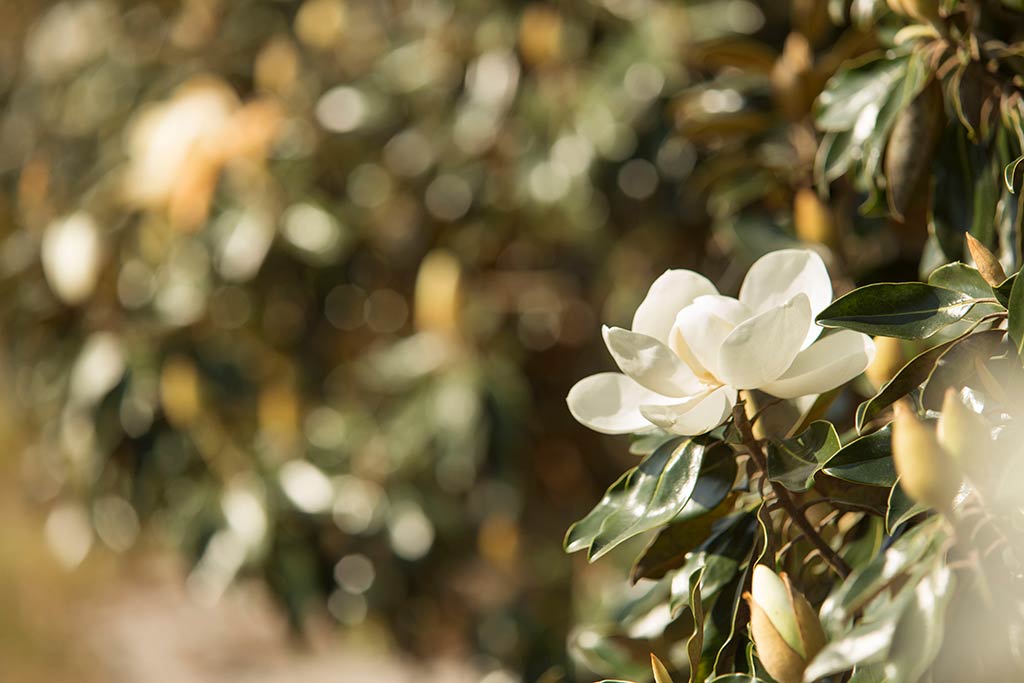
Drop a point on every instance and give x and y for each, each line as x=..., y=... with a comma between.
x=130, y=619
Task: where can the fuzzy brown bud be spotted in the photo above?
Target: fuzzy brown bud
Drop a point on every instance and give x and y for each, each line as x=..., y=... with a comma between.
x=927, y=473
x=783, y=625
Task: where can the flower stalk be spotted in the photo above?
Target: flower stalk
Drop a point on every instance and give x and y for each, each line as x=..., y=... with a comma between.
x=784, y=497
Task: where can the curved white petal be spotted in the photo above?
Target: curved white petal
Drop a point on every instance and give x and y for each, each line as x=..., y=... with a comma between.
x=650, y=363
x=825, y=364
x=609, y=402
x=701, y=327
x=670, y=293
x=777, y=277
x=760, y=349
x=694, y=416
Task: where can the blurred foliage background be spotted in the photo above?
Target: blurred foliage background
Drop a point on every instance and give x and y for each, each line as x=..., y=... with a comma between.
x=296, y=289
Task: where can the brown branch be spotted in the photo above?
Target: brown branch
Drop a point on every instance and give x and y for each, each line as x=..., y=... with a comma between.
x=783, y=495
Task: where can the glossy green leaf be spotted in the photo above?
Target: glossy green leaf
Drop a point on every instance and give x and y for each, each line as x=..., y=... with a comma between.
x=648, y=443
x=961, y=277
x=730, y=545
x=737, y=678
x=852, y=595
x=868, y=673
x=918, y=635
x=1004, y=290
x=723, y=623
x=910, y=310
x=865, y=644
x=695, y=645
x=1010, y=171
x=910, y=377
x=859, y=549
x=966, y=192
x=691, y=526
x=956, y=366
x=794, y=462
x=644, y=498
x=901, y=508
x=859, y=92
x=1016, y=319
x=867, y=460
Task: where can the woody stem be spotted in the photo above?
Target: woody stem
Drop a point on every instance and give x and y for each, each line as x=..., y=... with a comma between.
x=785, y=498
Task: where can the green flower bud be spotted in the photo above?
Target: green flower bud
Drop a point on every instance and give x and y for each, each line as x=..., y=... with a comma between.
x=784, y=626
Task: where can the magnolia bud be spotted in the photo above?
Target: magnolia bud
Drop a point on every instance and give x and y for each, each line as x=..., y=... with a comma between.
x=927, y=473
x=813, y=219
x=964, y=435
x=922, y=10
x=438, y=295
x=660, y=672
x=888, y=361
x=987, y=263
x=784, y=626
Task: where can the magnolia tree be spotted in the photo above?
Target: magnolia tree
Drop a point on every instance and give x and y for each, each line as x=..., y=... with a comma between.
x=793, y=550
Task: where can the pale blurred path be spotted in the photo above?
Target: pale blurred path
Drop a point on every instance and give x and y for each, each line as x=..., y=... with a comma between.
x=148, y=629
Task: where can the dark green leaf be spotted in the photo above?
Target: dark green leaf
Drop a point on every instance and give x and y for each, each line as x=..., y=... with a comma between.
x=730, y=545
x=648, y=443
x=1004, y=290
x=956, y=366
x=859, y=548
x=685, y=532
x=910, y=310
x=866, y=643
x=793, y=462
x=861, y=587
x=918, y=635
x=961, y=277
x=695, y=645
x=644, y=498
x=1016, y=321
x=901, y=508
x=868, y=673
x=966, y=192
x=858, y=92
x=909, y=378
x=867, y=460
x=724, y=618
x=1010, y=171
x=737, y=678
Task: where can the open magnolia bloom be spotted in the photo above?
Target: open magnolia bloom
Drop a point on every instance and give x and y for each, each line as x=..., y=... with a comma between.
x=691, y=349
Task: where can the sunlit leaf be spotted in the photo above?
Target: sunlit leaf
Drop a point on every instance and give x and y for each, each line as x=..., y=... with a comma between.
x=867, y=460
x=793, y=462
x=957, y=365
x=910, y=377
x=644, y=498
x=901, y=508
x=691, y=526
x=909, y=310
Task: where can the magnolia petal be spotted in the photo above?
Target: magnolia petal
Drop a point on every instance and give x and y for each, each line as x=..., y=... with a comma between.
x=670, y=293
x=759, y=350
x=701, y=327
x=825, y=364
x=651, y=363
x=777, y=277
x=609, y=402
x=694, y=416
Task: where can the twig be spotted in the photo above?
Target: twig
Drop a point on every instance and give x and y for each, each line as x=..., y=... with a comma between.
x=784, y=497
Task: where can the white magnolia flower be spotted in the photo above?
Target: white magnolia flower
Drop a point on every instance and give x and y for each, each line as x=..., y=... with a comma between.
x=691, y=349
